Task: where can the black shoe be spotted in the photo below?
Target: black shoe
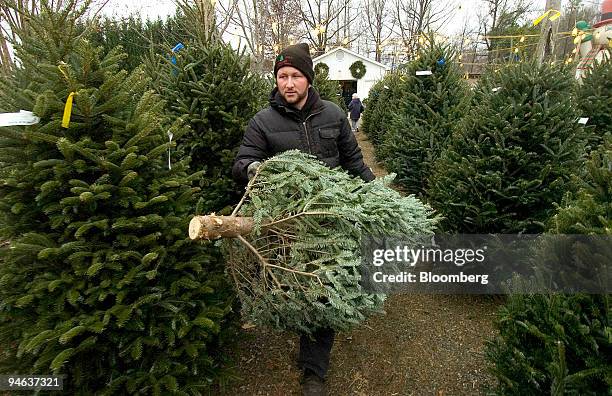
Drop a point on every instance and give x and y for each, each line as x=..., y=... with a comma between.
x=313, y=385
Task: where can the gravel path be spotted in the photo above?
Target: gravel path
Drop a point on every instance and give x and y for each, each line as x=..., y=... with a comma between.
x=423, y=345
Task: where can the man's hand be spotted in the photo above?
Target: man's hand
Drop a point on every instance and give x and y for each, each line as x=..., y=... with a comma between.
x=252, y=169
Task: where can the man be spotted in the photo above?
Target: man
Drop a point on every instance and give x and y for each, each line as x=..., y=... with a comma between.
x=355, y=108
x=298, y=118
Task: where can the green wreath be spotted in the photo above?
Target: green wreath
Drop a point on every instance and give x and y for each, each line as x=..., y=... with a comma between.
x=358, y=69
x=322, y=69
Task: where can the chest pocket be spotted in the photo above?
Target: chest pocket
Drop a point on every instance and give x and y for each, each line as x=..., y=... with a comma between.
x=328, y=138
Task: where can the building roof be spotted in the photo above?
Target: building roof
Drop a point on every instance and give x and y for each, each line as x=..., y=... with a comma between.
x=320, y=57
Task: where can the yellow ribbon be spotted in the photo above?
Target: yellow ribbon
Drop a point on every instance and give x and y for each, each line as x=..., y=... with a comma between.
x=68, y=110
x=554, y=15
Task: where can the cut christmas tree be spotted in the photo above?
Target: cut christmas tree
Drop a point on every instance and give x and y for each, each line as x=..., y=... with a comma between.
x=296, y=250
x=382, y=103
x=206, y=81
x=435, y=97
x=560, y=343
x=595, y=99
x=328, y=89
x=510, y=158
x=98, y=282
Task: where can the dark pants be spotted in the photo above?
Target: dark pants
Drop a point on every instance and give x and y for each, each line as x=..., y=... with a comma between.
x=314, y=353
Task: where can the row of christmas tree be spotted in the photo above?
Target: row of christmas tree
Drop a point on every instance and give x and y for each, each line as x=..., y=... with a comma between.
x=510, y=156
x=98, y=280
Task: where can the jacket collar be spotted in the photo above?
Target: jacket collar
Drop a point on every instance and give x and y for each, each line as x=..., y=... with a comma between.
x=313, y=104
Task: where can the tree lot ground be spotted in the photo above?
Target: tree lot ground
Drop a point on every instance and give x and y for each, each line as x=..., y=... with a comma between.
x=424, y=345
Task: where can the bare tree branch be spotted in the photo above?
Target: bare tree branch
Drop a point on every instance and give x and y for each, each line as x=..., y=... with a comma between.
x=380, y=23
x=320, y=21
x=417, y=17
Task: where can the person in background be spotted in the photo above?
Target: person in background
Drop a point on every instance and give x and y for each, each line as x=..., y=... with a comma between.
x=297, y=118
x=355, y=108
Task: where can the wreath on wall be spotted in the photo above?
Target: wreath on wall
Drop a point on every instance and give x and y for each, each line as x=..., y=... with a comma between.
x=322, y=69
x=358, y=69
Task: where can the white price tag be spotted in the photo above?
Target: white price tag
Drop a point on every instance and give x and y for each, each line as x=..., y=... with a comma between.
x=170, y=136
x=21, y=118
x=424, y=73
x=583, y=120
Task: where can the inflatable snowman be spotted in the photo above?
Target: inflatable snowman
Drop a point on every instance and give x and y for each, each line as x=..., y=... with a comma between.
x=594, y=46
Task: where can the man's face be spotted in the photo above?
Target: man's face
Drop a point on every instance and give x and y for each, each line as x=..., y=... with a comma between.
x=292, y=85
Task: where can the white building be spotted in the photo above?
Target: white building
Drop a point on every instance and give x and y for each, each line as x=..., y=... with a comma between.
x=339, y=61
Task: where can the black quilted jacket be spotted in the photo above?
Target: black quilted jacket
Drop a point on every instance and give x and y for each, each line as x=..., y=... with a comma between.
x=320, y=128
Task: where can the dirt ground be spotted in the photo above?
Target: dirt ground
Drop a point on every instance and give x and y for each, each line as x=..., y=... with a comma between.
x=423, y=345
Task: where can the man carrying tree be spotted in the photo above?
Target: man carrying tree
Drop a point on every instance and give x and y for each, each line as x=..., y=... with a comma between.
x=297, y=118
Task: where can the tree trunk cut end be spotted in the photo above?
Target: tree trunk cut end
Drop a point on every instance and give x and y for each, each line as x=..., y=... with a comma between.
x=215, y=227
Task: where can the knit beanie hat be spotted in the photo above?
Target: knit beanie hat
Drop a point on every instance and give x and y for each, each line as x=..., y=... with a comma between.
x=297, y=56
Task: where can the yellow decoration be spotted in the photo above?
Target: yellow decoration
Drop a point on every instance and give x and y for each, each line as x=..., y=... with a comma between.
x=551, y=14
x=575, y=32
x=556, y=15
x=522, y=39
x=68, y=110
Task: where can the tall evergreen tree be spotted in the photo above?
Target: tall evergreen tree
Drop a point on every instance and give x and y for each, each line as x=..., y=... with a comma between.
x=99, y=282
x=589, y=210
x=560, y=343
x=328, y=89
x=510, y=158
x=428, y=110
x=595, y=99
x=213, y=87
x=382, y=103
x=135, y=35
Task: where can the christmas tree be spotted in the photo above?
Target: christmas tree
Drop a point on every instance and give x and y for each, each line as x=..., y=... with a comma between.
x=595, y=99
x=435, y=98
x=211, y=85
x=382, y=103
x=136, y=36
x=297, y=266
x=510, y=158
x=327, y=89
x=560, y=343
x=98, y=282
x=589, y=210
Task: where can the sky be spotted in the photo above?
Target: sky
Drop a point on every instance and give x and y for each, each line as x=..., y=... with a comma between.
x=151, y=9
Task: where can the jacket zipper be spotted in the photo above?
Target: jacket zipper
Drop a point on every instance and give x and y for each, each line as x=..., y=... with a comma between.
x=307, y=138
x=306, y=131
